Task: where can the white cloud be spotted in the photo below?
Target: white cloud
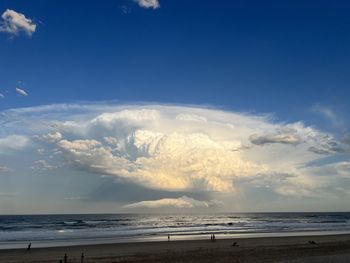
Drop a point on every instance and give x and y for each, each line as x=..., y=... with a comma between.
x=43, y=165
x=50, y=137
x=148, y=3
x=13, y=143
x=4, y=169
x=191, y=118
x=177, y=148
x=181, y=202
x=40, y=151
x=2, y=96
x=21, y=92
x=164, y=161
x=14, y=22
x=78, y=146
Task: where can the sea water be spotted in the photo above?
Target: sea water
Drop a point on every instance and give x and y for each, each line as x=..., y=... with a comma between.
x=55, y=230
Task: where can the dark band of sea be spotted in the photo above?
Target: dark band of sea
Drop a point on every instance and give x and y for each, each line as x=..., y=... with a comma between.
x=58, y=230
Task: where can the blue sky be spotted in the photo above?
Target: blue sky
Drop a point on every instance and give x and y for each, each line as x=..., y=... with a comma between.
x=269, y=57
x=283, y=61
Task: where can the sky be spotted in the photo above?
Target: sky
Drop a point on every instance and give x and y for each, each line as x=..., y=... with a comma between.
x=119, y=106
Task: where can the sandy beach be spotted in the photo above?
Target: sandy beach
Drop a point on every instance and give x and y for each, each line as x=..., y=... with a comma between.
x=327, y=248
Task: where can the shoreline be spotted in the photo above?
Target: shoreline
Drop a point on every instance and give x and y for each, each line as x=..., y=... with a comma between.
x=4, y=245
x=253, y=249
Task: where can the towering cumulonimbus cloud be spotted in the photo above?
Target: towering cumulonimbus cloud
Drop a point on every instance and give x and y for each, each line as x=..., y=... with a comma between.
x=179, y=148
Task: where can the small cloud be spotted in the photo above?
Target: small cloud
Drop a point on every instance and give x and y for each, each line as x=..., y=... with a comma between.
x=148, y=3
x=125, y=9
x=50, y=137
x=14, y=22
x=4, y=169
x=182, y=202
x=41, y=151
x=2, y=96
x=21, y=92
x=73, y=198
x=43, y=165
x=276, y=138
x=329, y=115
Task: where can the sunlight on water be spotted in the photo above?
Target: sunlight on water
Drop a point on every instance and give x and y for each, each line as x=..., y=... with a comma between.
x=131, y=227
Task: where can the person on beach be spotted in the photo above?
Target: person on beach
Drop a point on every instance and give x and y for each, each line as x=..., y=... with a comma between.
x=29, y=246
x=168, y=237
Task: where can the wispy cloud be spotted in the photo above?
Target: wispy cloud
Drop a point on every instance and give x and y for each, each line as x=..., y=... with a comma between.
x=2, y=96
x=21, y=92
x=125, y=9
x=329, y=114
x=4, y=169
x=13, y=23
x=73, y=198
x=181, y=202
x=148, y=3
x=43, y=165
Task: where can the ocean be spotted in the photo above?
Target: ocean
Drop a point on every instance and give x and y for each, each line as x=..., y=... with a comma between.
x=55, y=230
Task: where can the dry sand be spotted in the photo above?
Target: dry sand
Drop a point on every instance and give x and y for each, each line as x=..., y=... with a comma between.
x=332, y=248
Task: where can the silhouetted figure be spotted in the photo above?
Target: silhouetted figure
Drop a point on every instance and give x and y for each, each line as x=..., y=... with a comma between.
x=211, y=237
x=82, y=258
x=168, y=237
x=29, y=246
x=235, y=244
x=65, y=258
x=214, y=238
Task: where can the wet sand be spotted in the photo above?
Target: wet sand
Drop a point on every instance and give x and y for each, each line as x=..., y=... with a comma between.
x=328, y=248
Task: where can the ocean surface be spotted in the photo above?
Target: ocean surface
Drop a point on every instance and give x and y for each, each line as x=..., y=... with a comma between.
x=56, y=230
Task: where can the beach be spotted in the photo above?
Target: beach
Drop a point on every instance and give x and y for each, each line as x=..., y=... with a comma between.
x=293, y=249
